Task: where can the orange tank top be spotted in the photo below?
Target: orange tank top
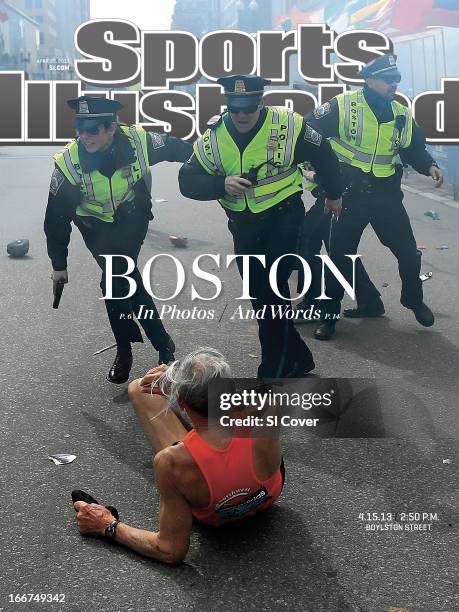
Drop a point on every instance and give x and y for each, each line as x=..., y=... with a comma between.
x=235, y=491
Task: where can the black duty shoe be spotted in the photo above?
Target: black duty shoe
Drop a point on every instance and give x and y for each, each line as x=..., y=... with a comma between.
x=121, y=367
x=424, y=315
x=376, y=309
x=301, y=368
x=325, y=331
x=166, y=354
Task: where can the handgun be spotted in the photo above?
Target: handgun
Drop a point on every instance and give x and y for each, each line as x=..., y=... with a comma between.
x=251, y=175
x=58, y=293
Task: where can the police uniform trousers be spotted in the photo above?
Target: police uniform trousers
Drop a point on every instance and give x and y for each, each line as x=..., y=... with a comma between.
x=383, y=209
x=316, y=231
x=273, y=234
x=124, y=236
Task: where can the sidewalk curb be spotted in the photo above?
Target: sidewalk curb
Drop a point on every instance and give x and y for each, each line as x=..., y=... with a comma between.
x=431, y=196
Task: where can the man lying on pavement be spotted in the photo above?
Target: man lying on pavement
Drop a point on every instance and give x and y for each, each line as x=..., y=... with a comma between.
x=200, y=474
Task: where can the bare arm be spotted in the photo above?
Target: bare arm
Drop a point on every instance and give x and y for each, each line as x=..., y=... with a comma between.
x=170, y=544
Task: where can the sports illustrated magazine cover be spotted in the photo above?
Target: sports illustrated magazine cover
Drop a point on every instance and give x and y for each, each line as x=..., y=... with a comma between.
x=229, y=305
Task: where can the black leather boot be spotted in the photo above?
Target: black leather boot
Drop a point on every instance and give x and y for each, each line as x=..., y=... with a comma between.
x=121, y=367
x=166, y=354
x=301, y=367
x=375, y=309
x=325, y=331
x=424, y=315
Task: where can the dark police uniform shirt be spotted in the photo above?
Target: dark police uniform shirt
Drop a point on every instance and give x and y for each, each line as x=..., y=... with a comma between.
x=62, y=202
x=325, y=120
x=197, y=184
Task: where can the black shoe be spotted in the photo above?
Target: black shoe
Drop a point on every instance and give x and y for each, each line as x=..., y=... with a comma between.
x=78, y=495
x=121, y=367
x=375, y=309
x=301, y=368
x=424, y=315
x=166, y=354
x=325, y=331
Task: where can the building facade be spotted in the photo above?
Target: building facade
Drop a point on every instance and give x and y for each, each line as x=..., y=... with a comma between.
x=57, y=21
x=202, y=16
x=196, y=16
x=246, y=15
x=19, y=40
x=70, y=14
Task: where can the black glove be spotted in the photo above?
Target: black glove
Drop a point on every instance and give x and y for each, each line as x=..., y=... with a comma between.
x=78, y=495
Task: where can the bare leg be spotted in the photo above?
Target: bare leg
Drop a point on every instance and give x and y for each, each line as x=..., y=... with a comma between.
x=159, y=422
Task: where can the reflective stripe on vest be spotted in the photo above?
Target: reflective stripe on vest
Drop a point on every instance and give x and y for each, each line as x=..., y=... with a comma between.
x=101, y=196
x=363, y=142
x=273, y=144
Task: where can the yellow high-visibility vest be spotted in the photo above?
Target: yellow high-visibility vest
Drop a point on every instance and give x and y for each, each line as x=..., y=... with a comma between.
x=274, y=143
x=363, y=142
x=100, y=195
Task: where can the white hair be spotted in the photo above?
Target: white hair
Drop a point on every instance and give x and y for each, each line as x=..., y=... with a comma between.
x=187, y=379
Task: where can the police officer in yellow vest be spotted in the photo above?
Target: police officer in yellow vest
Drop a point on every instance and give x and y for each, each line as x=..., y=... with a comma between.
x=101, y=182
x=248, y=161
x=371, y=133
x=316, y=233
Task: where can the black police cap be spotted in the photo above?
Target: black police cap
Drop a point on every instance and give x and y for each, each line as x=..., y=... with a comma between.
x=243, y=85
x=91, y=111
x=385, y=65
x=243, y=91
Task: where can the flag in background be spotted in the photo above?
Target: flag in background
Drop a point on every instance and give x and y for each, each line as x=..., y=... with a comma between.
x=400, y=16
x=298, y=17
x=382, y=20
x=406, y=20
x=365, y=10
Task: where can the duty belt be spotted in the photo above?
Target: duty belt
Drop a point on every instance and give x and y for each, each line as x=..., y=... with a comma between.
x=371, y=184
x=247, y=216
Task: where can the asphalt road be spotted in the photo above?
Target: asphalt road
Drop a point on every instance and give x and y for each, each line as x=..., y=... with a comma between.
x=311, y=551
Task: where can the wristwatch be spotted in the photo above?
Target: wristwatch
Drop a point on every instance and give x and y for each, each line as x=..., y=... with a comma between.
x=110, y=531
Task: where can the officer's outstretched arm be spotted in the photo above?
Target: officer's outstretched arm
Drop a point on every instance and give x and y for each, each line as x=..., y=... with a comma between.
x=325, y=119
x=313, y=147
x=162, y=147
x=63, y=199
x=416, y=155
x=197, y=184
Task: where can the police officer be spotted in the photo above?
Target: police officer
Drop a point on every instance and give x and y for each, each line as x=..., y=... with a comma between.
x=316, y=233
x=101, y=182
x=370, y=133
x=248, y=160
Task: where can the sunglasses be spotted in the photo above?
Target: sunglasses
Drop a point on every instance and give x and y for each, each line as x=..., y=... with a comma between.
x=390, y=79
x=92, y=130
x=247, y=110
